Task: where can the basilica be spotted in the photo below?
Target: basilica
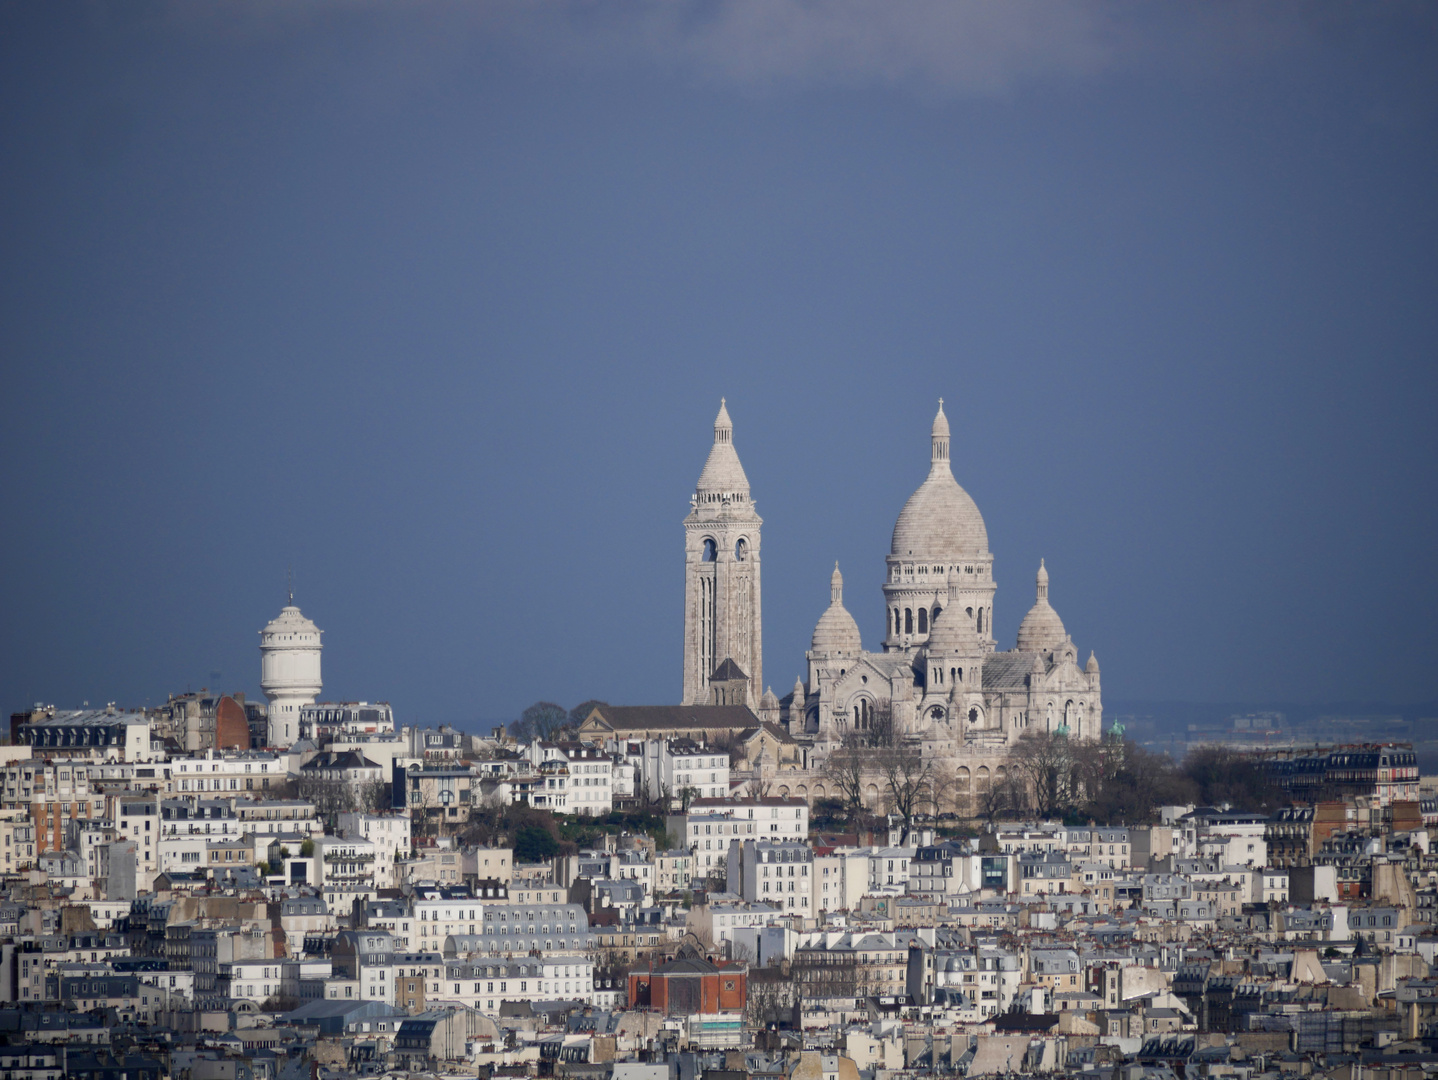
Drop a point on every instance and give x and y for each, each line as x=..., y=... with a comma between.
x=938, y=679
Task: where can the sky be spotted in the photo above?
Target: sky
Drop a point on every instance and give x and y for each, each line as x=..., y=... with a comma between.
x=431, y=305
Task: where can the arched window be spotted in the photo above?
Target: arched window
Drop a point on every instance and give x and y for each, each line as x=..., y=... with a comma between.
x=711, y=550
x=937, y=612
x=741, y=550
x=973, y=716
x=969, y=611
x=923, y=620
x=908, y=620
x=981, y=620
x=897, y=624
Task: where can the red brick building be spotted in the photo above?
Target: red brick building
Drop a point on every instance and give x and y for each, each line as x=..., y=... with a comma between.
x=690, y=984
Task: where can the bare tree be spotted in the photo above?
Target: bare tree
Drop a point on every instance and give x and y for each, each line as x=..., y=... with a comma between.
x=1045, y=762
x=1003, y=797
x=374, y=796
x=909, y=778
x=728, y=742
x=773, y=995
x=331, y=797
x=845, y=770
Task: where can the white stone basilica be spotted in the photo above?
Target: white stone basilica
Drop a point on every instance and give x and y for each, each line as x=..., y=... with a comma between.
x=938, y=678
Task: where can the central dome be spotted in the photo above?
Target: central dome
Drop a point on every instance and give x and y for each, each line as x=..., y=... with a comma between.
x=940, y=520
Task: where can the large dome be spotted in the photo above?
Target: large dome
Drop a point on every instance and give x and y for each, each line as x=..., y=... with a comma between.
x=940, y=520
x=836, y=632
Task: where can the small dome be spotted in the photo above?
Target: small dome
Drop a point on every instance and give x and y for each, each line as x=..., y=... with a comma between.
x=723, y=475
x=770, y=700
x=836, y=632
x=1092, y=666
x=940, y=521
x=953, y=632
x=290, y=621
x=1042, y=629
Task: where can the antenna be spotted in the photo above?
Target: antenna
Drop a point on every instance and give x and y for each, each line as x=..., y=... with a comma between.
x=290, y=584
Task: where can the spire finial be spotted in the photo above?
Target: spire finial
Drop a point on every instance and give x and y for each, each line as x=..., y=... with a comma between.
x=1041, y=590
x=723, y=426
x=836, y=585
x=290, y=585
x=939, y=440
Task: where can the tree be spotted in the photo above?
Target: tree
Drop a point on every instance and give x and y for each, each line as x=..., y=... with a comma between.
x=1004, y=797
x=540, y=721
x=580, y=712
x=773, y=996
x=1134, y=783
x=909, y=779
x=307, y=849
x=330, y=797
x=374, y=796
x=1221, y=775
x=1044, y=760
x=534, y=844
x=844, y=770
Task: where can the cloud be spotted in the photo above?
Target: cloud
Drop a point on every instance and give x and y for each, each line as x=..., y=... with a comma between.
x=934, y=47
x=948, y=46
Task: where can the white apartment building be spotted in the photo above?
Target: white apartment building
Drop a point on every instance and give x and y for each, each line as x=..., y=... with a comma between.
x=291, y=821
x=388, y=833
x=709, y=824
x=137, y=818
x=718, y=919
x=682, y=769
x=840, y=880
x=251, y=980
x=591, y=775
x=226, y=773
x=436, y=917
x=889, y=869
x=672, y=871
x=322, y=721
x=773, y=872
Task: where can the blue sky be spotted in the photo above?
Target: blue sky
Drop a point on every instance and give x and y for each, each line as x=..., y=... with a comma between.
x=435, y=304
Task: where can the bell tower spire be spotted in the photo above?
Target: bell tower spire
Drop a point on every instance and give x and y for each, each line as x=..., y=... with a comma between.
x=722, y=611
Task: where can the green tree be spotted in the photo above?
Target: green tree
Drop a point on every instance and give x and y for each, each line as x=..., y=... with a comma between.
x=307, y=849
x=580, y=713
x=534, y=844
x=540, y=721
x=1221, y=775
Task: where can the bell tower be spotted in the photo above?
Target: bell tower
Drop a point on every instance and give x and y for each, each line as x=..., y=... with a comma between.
x=721, y=576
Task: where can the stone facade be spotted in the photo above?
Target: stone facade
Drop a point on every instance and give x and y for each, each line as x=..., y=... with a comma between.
x=938, y=678
x=721, y=582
